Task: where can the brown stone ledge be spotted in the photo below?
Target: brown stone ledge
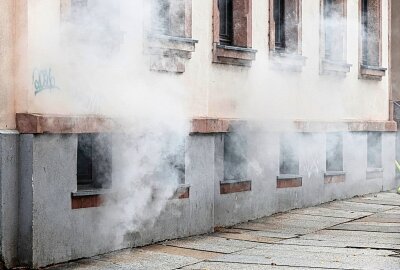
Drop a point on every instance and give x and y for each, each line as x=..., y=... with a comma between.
x=232, y=55
x=227, y=187
x=182, y=192
x=372, y=72
x=289, y=181
x=334, y=177
x=349, y=126
x=210, y=125
x=91, y=201
x=31, y=123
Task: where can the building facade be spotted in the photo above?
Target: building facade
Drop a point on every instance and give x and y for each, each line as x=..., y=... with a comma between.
x=133, y=122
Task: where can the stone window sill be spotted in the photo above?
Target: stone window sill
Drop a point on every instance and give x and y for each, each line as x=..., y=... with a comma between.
x=287, y=61
x=289, y=181
x=169, y=53
x=329, y=67
x=374, y=173
x=234, y=186
x=182, y=192
x=88, y=198
x=91, y=192
x=331, y=177
x=231, y=55
x=372, y=72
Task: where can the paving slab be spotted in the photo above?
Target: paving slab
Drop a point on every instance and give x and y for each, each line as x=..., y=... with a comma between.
x=369, y=227
x=357, y=206
x=140, y=259
x=384, y=217
x=240, y=266
x=376, y=200
x=276, y=249
x=297, y=225
x=212, y=244
x=342, y=244
x=326, y=212
x=320, y=260
x=354, y=237
x=86, y=264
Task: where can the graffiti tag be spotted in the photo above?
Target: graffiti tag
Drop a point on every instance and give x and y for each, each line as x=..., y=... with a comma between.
x=43, y=80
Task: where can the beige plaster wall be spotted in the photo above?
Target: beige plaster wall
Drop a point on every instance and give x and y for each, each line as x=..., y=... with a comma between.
x=218, y=90
x=6, y=65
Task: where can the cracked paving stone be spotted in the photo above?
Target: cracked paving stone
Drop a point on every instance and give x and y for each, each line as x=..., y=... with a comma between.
x=321, y=260
x=357, y=206
x=240, y=266
x=321, y=211
x=369, y=227
x=140, y=259
x=212, y=244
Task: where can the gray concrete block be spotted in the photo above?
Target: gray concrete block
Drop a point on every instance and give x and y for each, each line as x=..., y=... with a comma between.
x=9, y=198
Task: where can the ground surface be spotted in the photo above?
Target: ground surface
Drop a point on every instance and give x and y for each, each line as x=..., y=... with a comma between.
x=361, y=233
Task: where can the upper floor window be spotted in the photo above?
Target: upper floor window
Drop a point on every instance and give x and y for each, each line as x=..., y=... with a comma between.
x=371, y=40
x=232, y=32
x=285, y=19
x=335, y=30
x=226, y=21
x=334, y=38
x=168, y=17
x=370, y=23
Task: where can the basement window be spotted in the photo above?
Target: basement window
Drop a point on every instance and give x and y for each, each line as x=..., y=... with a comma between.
x=289, y=155
x=334, y=38
x=232, y=29
x=94, y=161
x=169, y=43
x=334, y=152
x=235, y=161
x=371, y=40
x=374, y=150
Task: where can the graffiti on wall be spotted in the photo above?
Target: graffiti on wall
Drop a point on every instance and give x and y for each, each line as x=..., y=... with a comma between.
x=43, y=79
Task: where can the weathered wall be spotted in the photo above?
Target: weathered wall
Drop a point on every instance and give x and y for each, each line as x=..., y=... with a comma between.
x=265, y=198
x=54, y=234
x=8, y=197
x=231, y=91
x=7, y=110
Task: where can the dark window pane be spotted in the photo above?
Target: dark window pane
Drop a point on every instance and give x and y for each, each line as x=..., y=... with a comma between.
x=334, y=152
x=85, y=159
x=279, y=18
x=225, y=21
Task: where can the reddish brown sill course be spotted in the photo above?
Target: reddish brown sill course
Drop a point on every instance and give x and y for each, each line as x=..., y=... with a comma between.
x=28, y=123
x=80, y=202
x=227, y=187
x=289, y=182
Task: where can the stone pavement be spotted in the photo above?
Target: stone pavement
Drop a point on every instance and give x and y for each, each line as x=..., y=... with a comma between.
x=360, y=233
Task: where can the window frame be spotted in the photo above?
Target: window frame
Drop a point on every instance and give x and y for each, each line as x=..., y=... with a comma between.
x=341, y=152
x=240, y=52
x=272, y=27
x=365, y=71
x=100, y=162
x=337, y=67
